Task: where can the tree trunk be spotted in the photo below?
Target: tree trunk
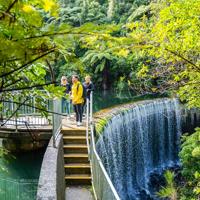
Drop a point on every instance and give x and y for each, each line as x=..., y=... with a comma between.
x=111, y=7
x=106, y=76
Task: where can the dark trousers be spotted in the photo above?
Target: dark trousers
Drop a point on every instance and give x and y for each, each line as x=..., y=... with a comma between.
x=84, y=105
x=65, y=106
x=78, y=111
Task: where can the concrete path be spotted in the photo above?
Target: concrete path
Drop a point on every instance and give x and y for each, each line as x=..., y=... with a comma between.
x=78, y=193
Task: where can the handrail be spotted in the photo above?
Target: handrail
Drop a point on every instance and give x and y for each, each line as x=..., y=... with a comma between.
x=89, y=118
x=102, y=166
x=89, y=125
x=57, y=120
x=27, y=125
x=36, y=118
x=24, y=111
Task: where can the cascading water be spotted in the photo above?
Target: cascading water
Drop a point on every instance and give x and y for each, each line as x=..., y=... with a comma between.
x=140, y=141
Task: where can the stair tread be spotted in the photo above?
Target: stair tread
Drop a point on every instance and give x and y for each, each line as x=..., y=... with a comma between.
x=73, y=128
x=74, y=137
x=77, y=165
x=78, y=176
x=69, y=155
x=75, y=146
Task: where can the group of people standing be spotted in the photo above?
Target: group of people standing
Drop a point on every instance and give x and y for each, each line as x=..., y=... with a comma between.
x=78, y=93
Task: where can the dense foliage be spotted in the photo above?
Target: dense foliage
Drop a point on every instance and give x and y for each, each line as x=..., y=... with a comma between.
x=25, y=50
x=190, y=158
x=174, y=41
x=187, y=186
x=31, y=41
x=140, y=45
x=152, y=48
x=93, y=56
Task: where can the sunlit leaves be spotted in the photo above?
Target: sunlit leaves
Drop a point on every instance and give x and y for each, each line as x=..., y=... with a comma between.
x=123, y=53
x=27, y=8
x=191, y=90
x=48, y=5
x=25, y=50
x=172, y=37
x=196, y=152
x=190, y=157
x=142, y=73
x=178, y=29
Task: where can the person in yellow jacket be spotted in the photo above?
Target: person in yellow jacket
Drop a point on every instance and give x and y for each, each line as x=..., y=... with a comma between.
x=77, y=98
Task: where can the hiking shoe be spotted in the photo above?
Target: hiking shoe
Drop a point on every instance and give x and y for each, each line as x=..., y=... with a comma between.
x=78, y=123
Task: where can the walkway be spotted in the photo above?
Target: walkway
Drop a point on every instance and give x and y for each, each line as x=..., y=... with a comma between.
x=76, y=136
x=78, y=193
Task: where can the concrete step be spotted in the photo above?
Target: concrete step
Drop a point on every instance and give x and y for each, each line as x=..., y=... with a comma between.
x=76, y=158
x=75, y=148
x=77, y=168
x=78, y=193
x=74, y=139
x=78, y=179
x=73, y=132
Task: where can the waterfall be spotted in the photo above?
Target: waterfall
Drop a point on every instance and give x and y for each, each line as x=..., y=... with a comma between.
x=139, y=141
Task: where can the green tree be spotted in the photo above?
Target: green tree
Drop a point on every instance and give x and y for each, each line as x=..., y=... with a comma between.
x=98, y=13
x=78, y=12
x=101, y=62
x=26, y=50
x=171, y=37
x=31, y=41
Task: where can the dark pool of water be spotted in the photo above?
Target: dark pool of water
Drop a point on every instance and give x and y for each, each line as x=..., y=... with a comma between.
x=19, y=175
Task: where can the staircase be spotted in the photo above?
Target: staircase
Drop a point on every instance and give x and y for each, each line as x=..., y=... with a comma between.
x=77, y=166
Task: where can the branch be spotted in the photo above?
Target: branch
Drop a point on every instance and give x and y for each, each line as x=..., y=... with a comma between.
x=51, y=71
x=14, y=112
x=11, y=5
x=13, y=59
x=28, y=87
x=8, y=9
x=13, y=83
x=191, y=83
x=180, y=56
x=30, y=62
x=58, y=33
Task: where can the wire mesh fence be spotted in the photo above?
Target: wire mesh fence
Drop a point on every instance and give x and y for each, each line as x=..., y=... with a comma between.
x=23, y=189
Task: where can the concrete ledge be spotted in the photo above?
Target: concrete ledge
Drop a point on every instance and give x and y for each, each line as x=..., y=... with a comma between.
x=51, y=184
x=102, y=117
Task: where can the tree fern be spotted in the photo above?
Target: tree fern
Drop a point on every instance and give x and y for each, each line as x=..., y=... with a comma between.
x=169, y=190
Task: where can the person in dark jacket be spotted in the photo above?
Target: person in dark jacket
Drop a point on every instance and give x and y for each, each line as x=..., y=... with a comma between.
x=66, y=100
x=89, y=87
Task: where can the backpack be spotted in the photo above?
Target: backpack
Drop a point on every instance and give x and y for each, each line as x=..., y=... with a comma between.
x=84, y=95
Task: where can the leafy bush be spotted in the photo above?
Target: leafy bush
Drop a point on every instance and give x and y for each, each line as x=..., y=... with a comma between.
x=190, y=158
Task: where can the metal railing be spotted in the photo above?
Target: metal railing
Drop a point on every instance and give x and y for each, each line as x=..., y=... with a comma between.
x=28, y=115
x=57, y=119
x=102, y=185
x=16, y=113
